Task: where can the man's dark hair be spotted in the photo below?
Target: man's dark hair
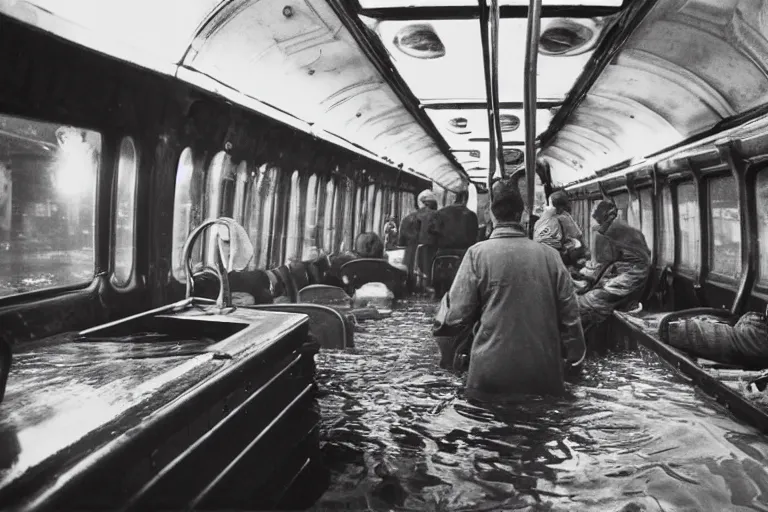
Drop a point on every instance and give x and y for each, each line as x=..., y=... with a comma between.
x=560, y=199
x=462, y=197
x=369, y=245
x=507, y=205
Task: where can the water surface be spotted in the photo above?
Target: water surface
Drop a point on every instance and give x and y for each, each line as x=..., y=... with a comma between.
x=631, y=436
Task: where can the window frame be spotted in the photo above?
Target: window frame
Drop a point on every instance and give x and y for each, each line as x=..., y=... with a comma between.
x=680, y=266
x=132, y=281
x=714, y=276
x=101, y=258
x=646, y=193
x=760, y=283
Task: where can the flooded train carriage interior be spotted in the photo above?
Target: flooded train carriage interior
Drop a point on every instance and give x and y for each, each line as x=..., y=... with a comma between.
x=213, y=295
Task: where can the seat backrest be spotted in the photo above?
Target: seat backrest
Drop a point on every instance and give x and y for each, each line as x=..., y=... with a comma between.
x=299, y=274
x=444, y=269
x=358, y=272
x=330, y=328
x=318, y=269
x=283, y=283
x=325, y=295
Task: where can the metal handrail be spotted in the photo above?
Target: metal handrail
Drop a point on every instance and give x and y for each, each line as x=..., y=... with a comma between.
x=224, y=300
x=529, y=101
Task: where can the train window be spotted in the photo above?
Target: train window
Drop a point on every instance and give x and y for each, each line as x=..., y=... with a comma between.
x=293, y=242
x=646, y=215
x=312, y=207
x=348, y=215
x=762, y=226
x=370, y=207
x=725, y=226
x=633, y=212
x=378, y=208
x=47, y=204
x=279, y=204
x=262, y=211
x=359, y=210
x=688, y=216
x=622, y=203
x=242, y=177
x=123, y=254
x=667, y=242
x=219, y=196
x=331, y=216
x=592, y=225
x=187, y=209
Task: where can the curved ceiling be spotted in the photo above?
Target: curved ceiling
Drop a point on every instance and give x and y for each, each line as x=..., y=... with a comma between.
x=441, y=60
x=686, y=67
x=294, y=61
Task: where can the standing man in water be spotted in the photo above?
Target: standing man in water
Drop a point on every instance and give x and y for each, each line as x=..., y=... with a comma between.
x=520, y=298
x=419, y=228
x=456, y=224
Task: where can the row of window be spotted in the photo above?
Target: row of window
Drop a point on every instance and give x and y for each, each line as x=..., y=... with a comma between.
x=48, y=177
x=286, y=219
x=724, y=223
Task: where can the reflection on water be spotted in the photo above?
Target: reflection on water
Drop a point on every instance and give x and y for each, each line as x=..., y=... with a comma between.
x=631, y=436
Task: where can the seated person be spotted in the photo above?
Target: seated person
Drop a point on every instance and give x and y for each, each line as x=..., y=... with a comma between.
x=390, y=234
x=516, y=297
x=557, y=229
x=625, y=262
x=367, y=245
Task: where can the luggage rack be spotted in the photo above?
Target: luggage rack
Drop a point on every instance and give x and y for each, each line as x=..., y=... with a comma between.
x=738, y=404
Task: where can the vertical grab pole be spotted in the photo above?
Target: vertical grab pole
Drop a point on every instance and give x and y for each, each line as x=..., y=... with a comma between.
x=484, y=43
x=493, y=45
x=529, y=102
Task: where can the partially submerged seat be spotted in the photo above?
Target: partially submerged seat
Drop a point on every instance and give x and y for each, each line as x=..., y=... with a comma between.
x=361, y=271
x=330, y=328
x=444, y=269
x=324, y=294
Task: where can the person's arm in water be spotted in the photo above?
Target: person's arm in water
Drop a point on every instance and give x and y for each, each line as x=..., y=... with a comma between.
x=571, y=332
x=460, y=306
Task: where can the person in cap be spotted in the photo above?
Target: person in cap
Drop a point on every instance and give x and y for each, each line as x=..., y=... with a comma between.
x=518, y=300
x=456, y=224
x=557, y=229
x=419, y=228
x=625, y=262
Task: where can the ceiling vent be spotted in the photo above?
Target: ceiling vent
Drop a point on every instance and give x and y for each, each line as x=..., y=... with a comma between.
x=509, y=123
x=458, y=125
x=419, y=41
x=567, y=37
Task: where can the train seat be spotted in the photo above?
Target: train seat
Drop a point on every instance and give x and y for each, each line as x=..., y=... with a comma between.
x=330, y=328
x=362, y=271
x=326, y=295
x=318, y=269
x=444, y=268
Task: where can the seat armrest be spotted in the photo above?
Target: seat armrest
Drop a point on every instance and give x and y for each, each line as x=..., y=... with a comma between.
x=685, y=314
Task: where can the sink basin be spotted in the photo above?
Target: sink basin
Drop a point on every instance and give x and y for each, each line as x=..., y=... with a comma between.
x=187, y=328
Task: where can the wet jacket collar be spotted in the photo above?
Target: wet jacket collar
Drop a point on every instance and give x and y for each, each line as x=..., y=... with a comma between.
x=507, y=229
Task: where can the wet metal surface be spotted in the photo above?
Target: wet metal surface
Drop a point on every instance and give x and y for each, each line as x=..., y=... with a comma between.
x=631, y=436
x=69, y=396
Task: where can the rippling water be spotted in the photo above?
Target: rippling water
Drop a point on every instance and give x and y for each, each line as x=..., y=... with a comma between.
x=631, y=436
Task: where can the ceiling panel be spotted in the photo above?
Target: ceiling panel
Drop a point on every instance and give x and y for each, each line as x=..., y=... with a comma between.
x=458, y=126
x=443, y=59
x=384, y=4
x=687, y=67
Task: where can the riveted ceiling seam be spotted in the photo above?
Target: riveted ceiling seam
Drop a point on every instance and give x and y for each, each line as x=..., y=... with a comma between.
x=633, y=15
